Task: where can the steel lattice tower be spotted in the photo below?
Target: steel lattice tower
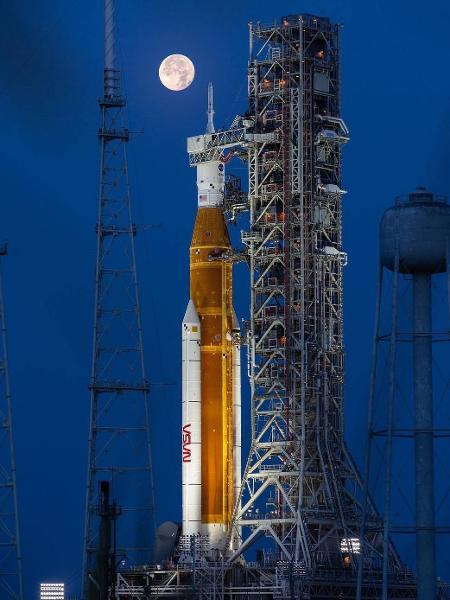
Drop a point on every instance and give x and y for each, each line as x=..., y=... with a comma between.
x=10, y=556
x=119, y=439
x=300, y=487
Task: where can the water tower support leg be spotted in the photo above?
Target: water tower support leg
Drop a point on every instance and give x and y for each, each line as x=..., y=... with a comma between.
x=368, y=454
x=390, y=425
x=423, y=400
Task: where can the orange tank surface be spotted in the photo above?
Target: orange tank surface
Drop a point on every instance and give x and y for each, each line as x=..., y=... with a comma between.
x=211, y=292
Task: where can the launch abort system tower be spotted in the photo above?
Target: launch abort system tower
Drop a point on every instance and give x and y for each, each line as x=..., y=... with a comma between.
x=119, y=442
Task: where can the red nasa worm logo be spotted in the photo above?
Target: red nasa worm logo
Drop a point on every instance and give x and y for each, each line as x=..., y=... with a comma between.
x=187, y=438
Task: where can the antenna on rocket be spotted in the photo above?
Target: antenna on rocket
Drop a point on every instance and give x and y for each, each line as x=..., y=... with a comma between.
x=210, y=112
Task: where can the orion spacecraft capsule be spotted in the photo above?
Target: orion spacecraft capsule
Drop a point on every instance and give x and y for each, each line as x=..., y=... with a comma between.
x=211, y=389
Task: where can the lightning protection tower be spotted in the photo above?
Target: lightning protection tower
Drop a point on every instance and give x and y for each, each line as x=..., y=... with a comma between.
x=10, y=556
x=119, y=438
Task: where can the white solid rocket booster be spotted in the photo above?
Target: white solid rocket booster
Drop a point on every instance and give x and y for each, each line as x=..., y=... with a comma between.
x=191, y=422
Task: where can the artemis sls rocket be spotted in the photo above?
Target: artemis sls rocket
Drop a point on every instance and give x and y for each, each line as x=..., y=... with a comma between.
x=211, y=387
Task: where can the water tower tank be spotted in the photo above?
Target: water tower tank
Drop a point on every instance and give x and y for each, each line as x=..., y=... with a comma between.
x=418, y=232
x=421, y=228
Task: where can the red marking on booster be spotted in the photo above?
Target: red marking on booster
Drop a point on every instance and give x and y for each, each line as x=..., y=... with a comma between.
x=187, y=439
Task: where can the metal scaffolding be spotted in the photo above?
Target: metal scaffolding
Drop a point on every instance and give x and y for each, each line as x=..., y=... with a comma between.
x=298, y=471
x=10, y=556
x=119, y=439
x=301, y=493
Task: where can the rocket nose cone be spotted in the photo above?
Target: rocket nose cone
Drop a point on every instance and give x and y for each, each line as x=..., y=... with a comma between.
x=191, y=315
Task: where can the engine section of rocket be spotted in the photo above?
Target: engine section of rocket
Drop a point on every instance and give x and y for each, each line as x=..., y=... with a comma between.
x=211, y=403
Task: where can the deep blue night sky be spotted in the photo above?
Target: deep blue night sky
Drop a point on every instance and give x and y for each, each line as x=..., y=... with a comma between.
x=395, y=100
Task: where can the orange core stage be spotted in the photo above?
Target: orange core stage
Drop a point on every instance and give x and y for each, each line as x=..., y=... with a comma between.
x=211, y=292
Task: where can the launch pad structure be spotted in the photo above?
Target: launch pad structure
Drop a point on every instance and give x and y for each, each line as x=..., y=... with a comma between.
x=297, y=518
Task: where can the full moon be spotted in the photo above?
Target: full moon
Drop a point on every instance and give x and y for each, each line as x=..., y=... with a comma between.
x=176, y=72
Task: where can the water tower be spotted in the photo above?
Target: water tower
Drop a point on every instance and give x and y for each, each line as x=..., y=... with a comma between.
x=414, y=247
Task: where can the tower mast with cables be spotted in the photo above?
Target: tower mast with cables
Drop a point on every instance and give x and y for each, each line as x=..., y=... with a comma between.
x=119, y=437
x=10, y=556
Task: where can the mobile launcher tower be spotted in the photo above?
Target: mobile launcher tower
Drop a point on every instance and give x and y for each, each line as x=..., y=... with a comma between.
x=300, y=500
